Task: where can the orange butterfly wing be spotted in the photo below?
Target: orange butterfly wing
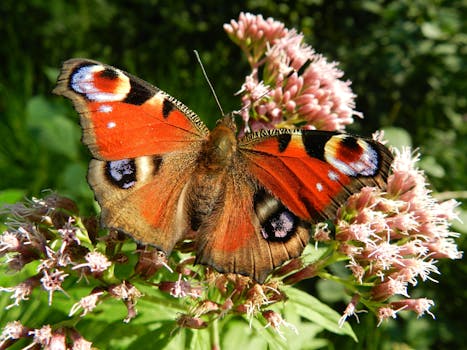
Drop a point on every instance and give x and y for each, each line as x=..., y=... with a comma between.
x=145, y=145
x=313, y=172
x=123, y=116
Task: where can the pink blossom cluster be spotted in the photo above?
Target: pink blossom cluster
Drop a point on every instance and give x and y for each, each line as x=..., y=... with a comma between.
x=66, y=246
x=290, y=84
x=49, y=232
x=62, y=338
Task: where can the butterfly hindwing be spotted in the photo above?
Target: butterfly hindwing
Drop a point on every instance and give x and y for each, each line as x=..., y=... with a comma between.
x=249, y=231
x=144, y=196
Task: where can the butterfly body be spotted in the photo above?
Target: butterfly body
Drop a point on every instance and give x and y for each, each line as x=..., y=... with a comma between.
x=160, y=175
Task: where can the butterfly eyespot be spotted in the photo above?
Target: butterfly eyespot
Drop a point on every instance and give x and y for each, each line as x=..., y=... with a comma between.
x=100, y=84
x=121, y=173
x=351, y=156
x=277, y=222
x=280, y=226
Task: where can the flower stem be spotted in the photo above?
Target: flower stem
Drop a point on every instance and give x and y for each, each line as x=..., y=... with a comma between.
x=214, y=334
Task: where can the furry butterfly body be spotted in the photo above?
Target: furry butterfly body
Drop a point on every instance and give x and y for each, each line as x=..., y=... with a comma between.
x=160, y=175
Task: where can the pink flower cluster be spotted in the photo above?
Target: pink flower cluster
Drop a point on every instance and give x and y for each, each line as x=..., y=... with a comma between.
x=297, y=86
x=66, y=246
x=44, y=337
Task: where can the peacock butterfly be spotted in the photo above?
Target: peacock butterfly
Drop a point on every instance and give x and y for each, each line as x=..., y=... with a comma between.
x=160, y=175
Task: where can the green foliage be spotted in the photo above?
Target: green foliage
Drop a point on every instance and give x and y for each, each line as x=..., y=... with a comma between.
x=406, y=60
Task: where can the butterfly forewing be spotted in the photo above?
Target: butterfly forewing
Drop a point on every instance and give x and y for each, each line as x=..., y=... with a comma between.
x=313, y=172
x=124, y=117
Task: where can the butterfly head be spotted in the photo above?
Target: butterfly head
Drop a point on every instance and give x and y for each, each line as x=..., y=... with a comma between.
x=228, y=121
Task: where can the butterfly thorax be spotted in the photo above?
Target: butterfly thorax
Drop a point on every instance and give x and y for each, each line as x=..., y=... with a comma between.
x=220, y=148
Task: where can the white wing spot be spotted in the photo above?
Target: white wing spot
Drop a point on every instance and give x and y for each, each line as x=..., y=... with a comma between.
x=111, y=125
x=333, y=176
x=319, y=186
x=105, y=109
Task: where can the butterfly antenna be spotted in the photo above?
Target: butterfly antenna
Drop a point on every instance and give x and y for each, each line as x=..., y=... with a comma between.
x=209, y=82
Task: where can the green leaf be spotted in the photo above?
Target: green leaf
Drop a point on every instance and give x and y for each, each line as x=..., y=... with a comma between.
x=431, y=166
x=397, y=137
x=159, y=338
x=236, y=334
x=53, y=129
x=330, y=291
x=314, y=310
x=11, y=195
x=73, y=181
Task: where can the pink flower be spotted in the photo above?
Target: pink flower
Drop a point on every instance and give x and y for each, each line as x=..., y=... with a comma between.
x=79, y=343
x=69, y=235
x=87, y=303
x=181, y=288
x=388, y=288
x=95, y=262
x=392, y=238
x=205, y=307
x=21, y=291
x=58, y=340
x=384, y=313
x=42, y=336
x=52, y=281
x=10, y=242
x=297, y=86
x=253, y=34
x=351, y=310
x=129, y=294
x=186, y=321
x=420, y=306
x=150, y=261
x=275, y=321
x=12, y=331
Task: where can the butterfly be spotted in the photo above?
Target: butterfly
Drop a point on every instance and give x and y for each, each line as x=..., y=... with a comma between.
x=248, y=203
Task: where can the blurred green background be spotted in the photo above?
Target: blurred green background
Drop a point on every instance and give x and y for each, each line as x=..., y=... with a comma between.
x=406, y=59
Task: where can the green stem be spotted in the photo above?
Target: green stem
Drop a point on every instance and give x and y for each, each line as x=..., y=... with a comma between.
x=348, y=284
x=214, y=333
